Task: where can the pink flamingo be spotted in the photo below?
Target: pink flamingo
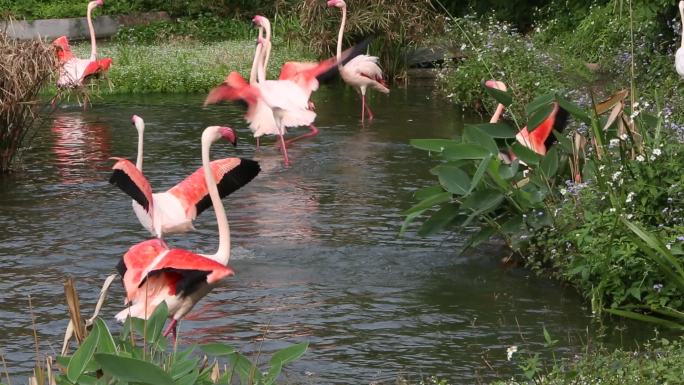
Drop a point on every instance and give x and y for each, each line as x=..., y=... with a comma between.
x=287, y=102
x=362, y=71
x=74, y=71
x=538, y=140
x=174, y=210
x=152, y=273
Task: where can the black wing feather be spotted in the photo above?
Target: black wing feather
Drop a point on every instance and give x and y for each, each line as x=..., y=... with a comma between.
x=232, y=181
x=124, y=182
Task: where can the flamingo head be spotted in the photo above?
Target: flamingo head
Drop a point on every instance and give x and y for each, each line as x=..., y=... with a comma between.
x=260, y=21
x=95, y=3
x=138, y=122
x=496, y=85
x=337, y=3
x=214, y=133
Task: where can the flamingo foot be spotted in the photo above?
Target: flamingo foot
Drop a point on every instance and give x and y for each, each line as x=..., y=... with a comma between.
x=314, y=131
x=370, y=113
x=171, y=329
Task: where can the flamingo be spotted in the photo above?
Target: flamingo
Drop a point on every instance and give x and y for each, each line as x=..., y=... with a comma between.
x=287, y=102
x=174, y=210
x=362, y=71
x=538, y=140
x=74, y=71
x=679, y=56
x=152, y=273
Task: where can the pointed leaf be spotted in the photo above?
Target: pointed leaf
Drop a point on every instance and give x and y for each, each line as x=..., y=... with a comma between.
x=439, y=220
x=525, y=154
x=82, y=357
x=538, y=102
x=155, y=324
x=507, y=172
x=188, y=379
x=538, y=117
x=290, y=353
x=645, y=318
x=217, y=349
x=472, y=134
x=497, y=130
x=563, y=141
x=503, y=97
x=434, y=145
x=483, y=235
x=465, y=151
x=247, y=371
x=132, y=370
x=453, y=179
x=549, y=163
x=573, y=109
x=429, y=202
x=106, y=342
x=427, y=192
x=479, y=173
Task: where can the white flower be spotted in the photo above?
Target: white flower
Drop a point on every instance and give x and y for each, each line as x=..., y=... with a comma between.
x=601, y=167
x=563, y=191
x=630, y=196
x=669, y=246
x=510, y=351
x=614, y=143
x=505, y=49
x=616, y=175
x=612, y=209
x=657, y=152
x=630, y=216
x=640, y=158
x=623, y=137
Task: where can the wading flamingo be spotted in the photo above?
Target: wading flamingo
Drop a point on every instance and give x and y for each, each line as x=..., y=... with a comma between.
x=679, y=56
x=362, y=71
x=152, y=273
x=539, y=140
x=287, y=102
x=73, y=71
x=174, y=210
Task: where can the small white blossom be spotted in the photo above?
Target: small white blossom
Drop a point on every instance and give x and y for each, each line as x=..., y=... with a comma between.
x=510, y=351
x=601, y=167
x=669, y=246
x=630, y=197
x=640, y=158
x=657, y=152
x=630, y=216
x=623, y=137
x=612, y=209
x=563, y=191
x=616, y=175
x=614, y=143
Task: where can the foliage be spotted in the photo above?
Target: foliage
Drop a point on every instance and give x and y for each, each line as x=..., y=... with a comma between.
x=656, y=362
x=395, y=26
x=25, y=67
x=140, y=355
x=178, y=67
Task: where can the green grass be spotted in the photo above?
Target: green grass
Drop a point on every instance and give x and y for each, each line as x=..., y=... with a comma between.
x=183, y=67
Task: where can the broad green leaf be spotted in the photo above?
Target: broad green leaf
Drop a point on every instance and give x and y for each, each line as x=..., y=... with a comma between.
x=217, y=349
x=439, y=220
x=549, y=163
x=155, y=324
x=188, y=379
x=513, y=225
x=434, y=145
x=497, y=130
x=472, y=134
x=427, y=192
x=538, y=102
x=503, y=97
x=479, y=173
x=106, y=342
x=87, y=380
x=483, y=235
x=132, y=370
x=646, y=318
x=573, y=109
x=429, y=202
x=547, y=337
x=182, y=356
x=507, y=172
x=525, y=154
x=247, y=371
x=453, y=179
x=409, y=218
x=181, y=368
x=564, y=142
x=82, y=356
x=465, y=151
x=538, y=117
x=482, y=201
x=668, y=311
x=63, y=360
x=290, y=353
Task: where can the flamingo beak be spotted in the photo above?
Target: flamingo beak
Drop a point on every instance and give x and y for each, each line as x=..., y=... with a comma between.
x=228, y=134
x=133, y=118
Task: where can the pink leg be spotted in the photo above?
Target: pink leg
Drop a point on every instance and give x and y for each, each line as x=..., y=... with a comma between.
x=283, y=148
x=370, y=113
x=363, y=107
x=313, y=132
x=171, y=329
x=258, y=137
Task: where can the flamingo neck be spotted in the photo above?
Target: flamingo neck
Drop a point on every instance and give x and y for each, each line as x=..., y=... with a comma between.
x=223, y=253
x=266, y=53
x=91, y=29
x=340, y=34
x=139, y=160
x=255, y=64
x=497, y=114
x=681, y=16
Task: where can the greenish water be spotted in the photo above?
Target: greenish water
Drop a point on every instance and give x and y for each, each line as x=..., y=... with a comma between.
x=315, y=246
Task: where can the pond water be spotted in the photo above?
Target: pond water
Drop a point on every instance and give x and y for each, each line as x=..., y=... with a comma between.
x=316, y=246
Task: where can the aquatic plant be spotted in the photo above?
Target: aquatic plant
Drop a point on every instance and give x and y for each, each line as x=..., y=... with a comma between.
x=25, y=67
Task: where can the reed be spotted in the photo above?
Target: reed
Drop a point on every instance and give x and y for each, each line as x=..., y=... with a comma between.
x=25, y=67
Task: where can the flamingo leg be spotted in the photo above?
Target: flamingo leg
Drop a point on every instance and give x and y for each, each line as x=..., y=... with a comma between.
x=171, y=329
x=257, y=140
x=283, y=148
x=314, y=131
x=370, y=113
x=363, y=107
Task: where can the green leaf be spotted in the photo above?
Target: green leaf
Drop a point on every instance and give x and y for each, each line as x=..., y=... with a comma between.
x=479, y=173
x=188, y=379
x=573, y=109
x=132, y=370
x=507, y=172
x=247, y=371
x=547, y=337
x=453, y=179
x=564, y=142
x=290, y=353
x=549, y=163
x=429, y=202
x=482, y=200
x=106, y=342
x=497, y=130
x=434, y=145
x=525, y=154
x=217, y=350
x=645, y=318
x=82, y=356
x=181, y=368
x=439, y=220
x=465, y=151
x=409, y=219
x=503, y=97
x=427, y=192
x=539, y=102
x=155, y=324
x=483, y=235
x=513, y=225
x=472, y=134
x=538, y=117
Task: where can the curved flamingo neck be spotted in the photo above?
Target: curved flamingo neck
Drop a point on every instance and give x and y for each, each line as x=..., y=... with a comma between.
x=255, y=65
x=91, y=29
x=497, y=114
x=223, y=253
x=340, y=35
x=139, y=160
x=681, y=16
x=266, y=53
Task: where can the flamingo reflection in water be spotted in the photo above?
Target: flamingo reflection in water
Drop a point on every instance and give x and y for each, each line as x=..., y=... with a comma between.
x=82, y=148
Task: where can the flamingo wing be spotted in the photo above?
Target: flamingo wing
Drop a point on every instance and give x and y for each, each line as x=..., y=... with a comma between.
x=63, y=49
x=132, y=181
x=192, y=268
x=136, y=260
x=230, y=174
x=96, y=67
x=234, y=88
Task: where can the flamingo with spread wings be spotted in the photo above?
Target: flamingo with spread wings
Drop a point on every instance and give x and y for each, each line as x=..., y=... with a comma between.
x=73, y=71
x=153, y=273
x=174, y=210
